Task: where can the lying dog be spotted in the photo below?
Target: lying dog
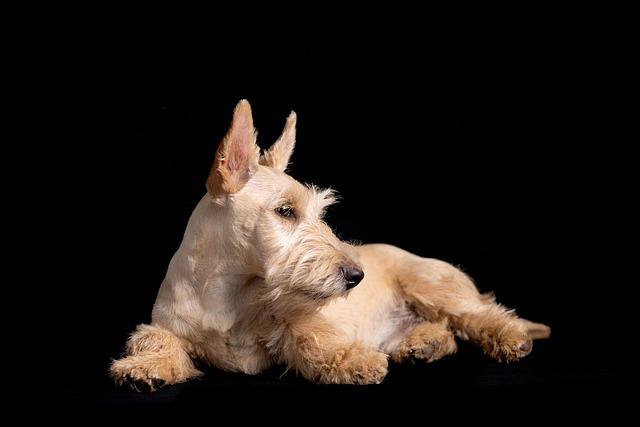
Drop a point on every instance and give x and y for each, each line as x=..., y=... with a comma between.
x=260, y=279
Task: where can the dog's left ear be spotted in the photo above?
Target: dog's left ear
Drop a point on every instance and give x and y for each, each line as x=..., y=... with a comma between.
x=237, y=155
x=277, y=156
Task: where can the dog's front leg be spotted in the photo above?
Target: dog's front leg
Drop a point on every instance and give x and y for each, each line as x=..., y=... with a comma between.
x=321, y=355
x=155, y=357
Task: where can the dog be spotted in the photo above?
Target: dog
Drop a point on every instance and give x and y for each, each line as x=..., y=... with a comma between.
x=260, y=279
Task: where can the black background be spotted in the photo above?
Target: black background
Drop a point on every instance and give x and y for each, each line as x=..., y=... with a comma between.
x=475, y=150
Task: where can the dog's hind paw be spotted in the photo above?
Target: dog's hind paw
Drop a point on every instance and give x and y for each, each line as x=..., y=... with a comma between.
x=428, y=342
x=511, y=345
x=511, y=350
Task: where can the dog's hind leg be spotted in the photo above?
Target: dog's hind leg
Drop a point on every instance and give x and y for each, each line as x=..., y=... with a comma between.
x=155, y=357
x=427, y=341
x=438, y=290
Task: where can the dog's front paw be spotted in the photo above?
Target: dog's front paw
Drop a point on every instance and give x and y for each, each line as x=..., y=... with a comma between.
x=139, y=376
x=355, y=365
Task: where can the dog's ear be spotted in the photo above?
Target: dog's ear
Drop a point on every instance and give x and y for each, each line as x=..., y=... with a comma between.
x=277, y=156
x=237, y=155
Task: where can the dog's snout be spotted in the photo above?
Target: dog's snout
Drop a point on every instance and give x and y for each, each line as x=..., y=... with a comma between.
x=352, y=275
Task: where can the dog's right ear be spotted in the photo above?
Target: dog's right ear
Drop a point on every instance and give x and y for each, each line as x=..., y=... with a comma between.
x=237, y=155
x=277, y=156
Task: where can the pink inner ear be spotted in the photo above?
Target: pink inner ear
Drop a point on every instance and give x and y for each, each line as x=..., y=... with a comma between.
x=237, y=157
x=240, y=141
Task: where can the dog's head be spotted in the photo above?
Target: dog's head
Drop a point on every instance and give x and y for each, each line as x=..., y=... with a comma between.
x=276, y=221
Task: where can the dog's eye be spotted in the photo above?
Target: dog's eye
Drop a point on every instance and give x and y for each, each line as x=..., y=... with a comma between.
x=286, y=212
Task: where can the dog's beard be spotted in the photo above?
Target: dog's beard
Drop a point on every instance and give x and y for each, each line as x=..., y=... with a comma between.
x=309, y=275
x=306, y=294
x=319, y=294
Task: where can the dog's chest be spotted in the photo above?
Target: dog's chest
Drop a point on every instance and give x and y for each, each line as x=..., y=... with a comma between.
x=223, y=299
x=231, y=342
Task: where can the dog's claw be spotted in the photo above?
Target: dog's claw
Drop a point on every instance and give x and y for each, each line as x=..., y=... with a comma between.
x=428, y=351
x=511, y=350
x=526, y=346
x=141, y=385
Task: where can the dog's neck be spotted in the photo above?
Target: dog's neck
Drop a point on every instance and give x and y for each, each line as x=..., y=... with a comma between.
x=220, y=271
x=212, y=247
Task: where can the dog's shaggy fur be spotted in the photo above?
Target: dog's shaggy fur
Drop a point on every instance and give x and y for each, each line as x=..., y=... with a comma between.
x=260, y=279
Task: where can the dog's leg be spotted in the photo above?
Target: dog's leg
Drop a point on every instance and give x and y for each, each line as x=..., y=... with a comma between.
x=314, y=350
x=428, y=341
x=438, y=289
x=155, y=357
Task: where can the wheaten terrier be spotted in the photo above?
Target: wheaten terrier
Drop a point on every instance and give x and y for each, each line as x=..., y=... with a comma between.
x=260, y=279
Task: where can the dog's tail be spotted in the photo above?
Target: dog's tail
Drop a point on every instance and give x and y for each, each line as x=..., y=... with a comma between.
x=536, y=331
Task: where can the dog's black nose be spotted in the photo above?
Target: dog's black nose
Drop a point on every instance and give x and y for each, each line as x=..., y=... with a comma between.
x=352, y=275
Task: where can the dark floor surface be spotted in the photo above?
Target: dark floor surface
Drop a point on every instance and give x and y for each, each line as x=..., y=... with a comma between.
x=553, y=378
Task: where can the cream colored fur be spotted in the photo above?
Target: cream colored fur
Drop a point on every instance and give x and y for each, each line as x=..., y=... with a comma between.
x=259, y=279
